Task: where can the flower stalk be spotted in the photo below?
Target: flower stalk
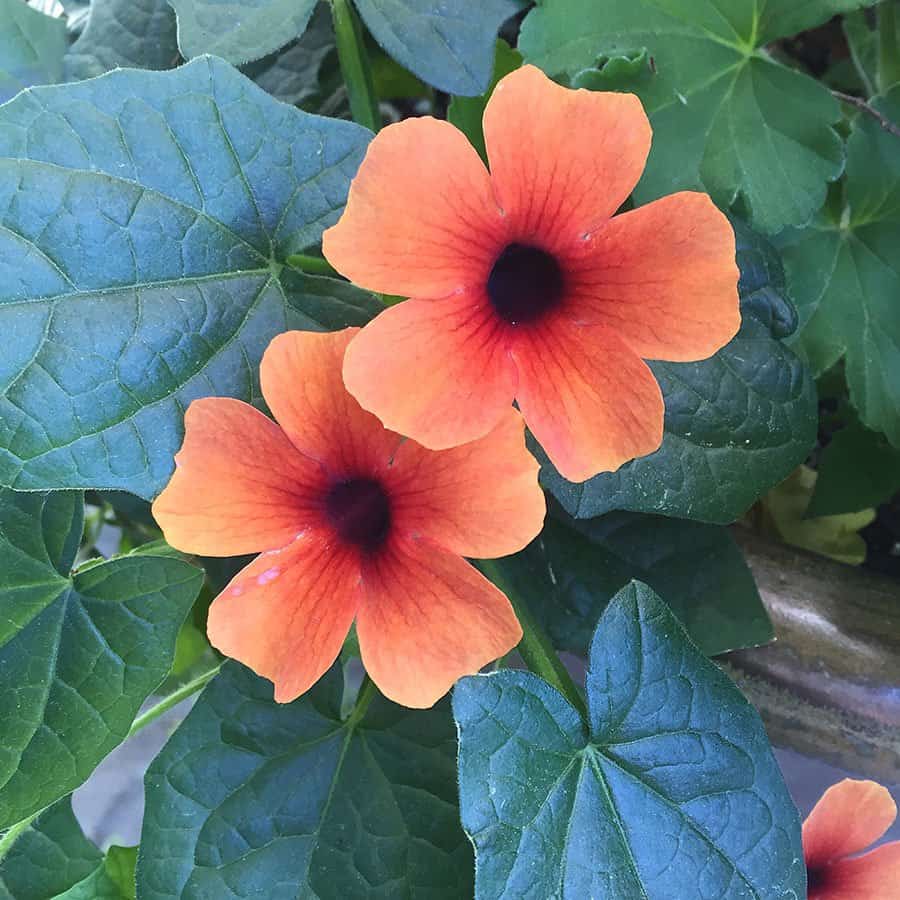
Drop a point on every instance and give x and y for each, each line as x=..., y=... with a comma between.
x=355, y=65
x=888, y=48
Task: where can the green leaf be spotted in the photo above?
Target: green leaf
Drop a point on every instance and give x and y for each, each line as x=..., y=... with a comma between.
x=736, y=424
x=726, y=116
x=237, y=30
x=844, y=272
x=32, y=46
x=569, y=576
x=138, y=34
x=52, y=858
x=141, y=249
x=857, y=469
x=862, y=39
x=253, y=799
x=466, y=113
x=297, y=74
x=670, y=791
x=625, y=72
x=448, y=43
x=78, y=654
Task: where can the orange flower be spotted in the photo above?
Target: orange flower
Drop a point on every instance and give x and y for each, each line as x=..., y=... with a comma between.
x=351, y=522
x=850, y=816
x=524, y=286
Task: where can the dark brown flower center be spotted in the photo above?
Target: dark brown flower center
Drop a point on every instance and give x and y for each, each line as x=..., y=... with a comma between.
x=360, y=511
x=524, y=283
x=816, y=878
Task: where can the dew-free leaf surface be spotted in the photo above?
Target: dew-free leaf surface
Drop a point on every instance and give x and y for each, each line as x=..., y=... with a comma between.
x=144, y=218
x=251, y=798
x=670, y=789
x=79, y=653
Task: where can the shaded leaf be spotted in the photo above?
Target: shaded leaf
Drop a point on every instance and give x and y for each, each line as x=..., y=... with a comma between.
x=124, y=33
x=466, y=113
x=736, y=424
x=857, y=469
x=786, y=509
x=447, y=43
x=671, y=790
x=52, y=858
x=32, y=46
x=726, y=116
x=251, y=798
x=237, y=30
x=140, y=255
x=78, y=653
x=569, y=576
x=844, y=273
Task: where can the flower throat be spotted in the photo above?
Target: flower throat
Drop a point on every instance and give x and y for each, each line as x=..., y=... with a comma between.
x=525, y=282
x=360, y=512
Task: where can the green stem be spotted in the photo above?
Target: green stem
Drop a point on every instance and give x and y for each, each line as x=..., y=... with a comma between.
x=367, y=693
x=355, y=65
x=535, y=648
x=12, y=833
x=312, y=265
x=173, y=699
x=888, y=47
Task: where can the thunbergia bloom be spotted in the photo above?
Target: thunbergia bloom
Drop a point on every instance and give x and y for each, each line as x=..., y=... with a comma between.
x=850, y=817
x=524, y=285
x=352, y=522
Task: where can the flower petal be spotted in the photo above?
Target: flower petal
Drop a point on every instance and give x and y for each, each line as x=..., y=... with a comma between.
x=286, y=614
x=302, y=383
x=849, y=817
x=562, y=161
x=481, y=499
x=239, y=485
x=438, y=372
x=873, y=876
x=663, y=277
x=421, y=220
x=589, y=400
x=427, y=619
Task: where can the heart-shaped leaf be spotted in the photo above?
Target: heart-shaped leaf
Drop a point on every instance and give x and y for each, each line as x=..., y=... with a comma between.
x=251, y=798
x=844, y=272
x=141, y=250
x=726, y=116
x=52, y=858
x=139, y=34
x=736, y=424
x=78, y=654
x=32, y=46
x=569, y=576
x=671, y=790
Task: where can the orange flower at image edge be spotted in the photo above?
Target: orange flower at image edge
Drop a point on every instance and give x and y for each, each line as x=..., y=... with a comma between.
x=524, y=286
x=850, y=817
x=351, y=522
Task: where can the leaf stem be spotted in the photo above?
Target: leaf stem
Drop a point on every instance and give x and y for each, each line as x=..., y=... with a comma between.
x=312, y=265
x=535, y=648
x=355, y=65
x=173, y=699
x=367, y=693
x=888, y=47
x=866, y=107
x=12, y=833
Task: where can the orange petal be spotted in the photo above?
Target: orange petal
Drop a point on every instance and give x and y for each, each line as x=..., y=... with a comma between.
x=663, y=277
x=286, y=615
x=873, y=876
x=239, y=485
x=481, y=499
x=438, y=372
x=421, y=220
x=562, y=161
x=850, y=816
x=427, y=619
x=589, y=400
x=302, y=383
